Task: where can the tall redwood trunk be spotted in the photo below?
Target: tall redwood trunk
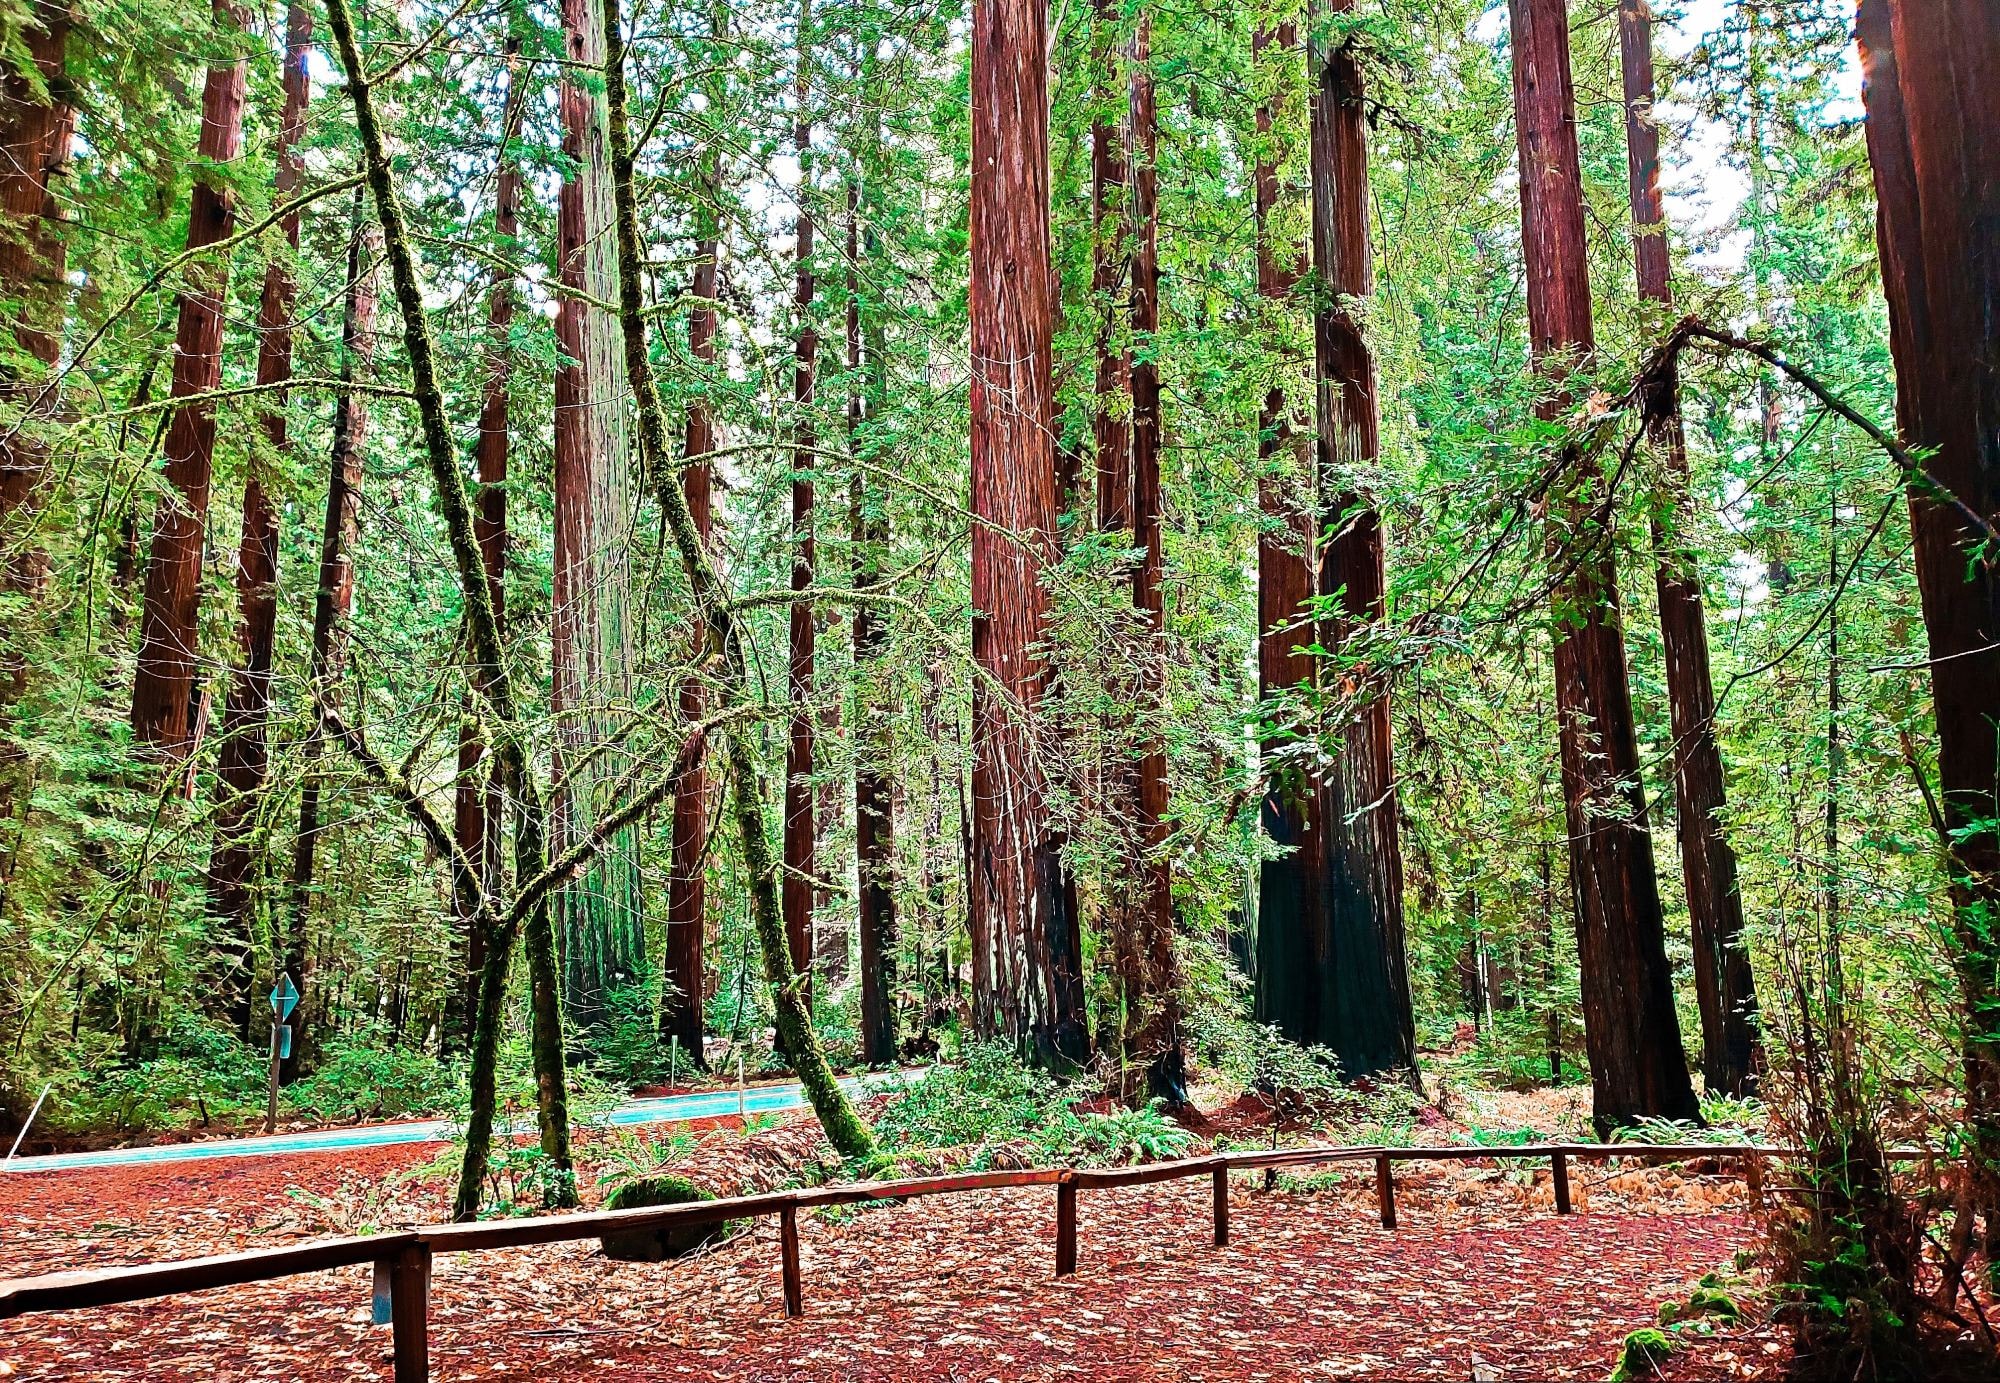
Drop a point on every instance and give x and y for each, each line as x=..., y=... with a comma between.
x=683, y=986
x=245, y=755
x=1110, y=267
x=164, y=688
x=333, y=596
x=476, y=803
x=599, y=920
x=1637, y=1064
x=1291, y=931
x=1932, y=89
x=800, y=868
x=1154, y=1001
x=1027, y=971
x=1724, y=985
x=1365, y=1012
x=874, y=739
x=35, y=137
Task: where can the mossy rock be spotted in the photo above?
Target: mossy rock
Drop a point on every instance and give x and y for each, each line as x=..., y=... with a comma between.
x=655, y=1243
x=1645, y=1350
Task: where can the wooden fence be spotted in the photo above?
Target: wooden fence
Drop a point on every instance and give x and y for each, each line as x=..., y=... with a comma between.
x=403, y=1259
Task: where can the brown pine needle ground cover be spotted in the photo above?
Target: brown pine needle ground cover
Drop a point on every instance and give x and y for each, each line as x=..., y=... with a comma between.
x=951, y=1288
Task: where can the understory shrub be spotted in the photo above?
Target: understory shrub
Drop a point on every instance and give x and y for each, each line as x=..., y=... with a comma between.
x=991, y=1101
x=361, y=1075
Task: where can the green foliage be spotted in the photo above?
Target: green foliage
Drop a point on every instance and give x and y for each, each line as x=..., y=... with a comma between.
x=1640, y=1357
x=988, y=1097
x=625, y=1047
x=990, y=1102
x=201, y=1071
x=361, y=1076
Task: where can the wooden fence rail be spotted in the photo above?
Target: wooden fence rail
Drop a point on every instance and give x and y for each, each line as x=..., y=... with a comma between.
x=402, y=1260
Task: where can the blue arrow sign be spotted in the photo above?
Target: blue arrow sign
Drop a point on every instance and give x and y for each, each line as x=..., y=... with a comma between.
x=284, y=998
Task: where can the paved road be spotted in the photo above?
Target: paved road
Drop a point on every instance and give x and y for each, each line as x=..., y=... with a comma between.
x=713, y=1104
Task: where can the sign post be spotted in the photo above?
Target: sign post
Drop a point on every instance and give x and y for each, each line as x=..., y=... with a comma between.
x=284, y=998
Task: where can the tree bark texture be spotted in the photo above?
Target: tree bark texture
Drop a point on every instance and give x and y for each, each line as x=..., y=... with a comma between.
x=245, y=756
x=491, y=674
x=1026, y=951
x=1291, y=936
x=36, y=131
x=1638, y=1067
x=1724, y=987
x=868, y=530
x=333, y=594
x=599, y=919
x=799, y=833
x=1152, y=995
x=477, y=805
x=845, y=1130
x=1111, y=264
x=1365, y=1014
x=163, y=690
x=683, y=987
x=1931, y=83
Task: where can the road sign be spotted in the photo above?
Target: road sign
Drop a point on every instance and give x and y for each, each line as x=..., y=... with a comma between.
x=284, y=998
x=283, y=1039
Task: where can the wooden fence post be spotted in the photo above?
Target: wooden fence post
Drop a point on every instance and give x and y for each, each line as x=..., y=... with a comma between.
x=1385, y=1191
x=788, y=1243
x=1753, y=1173
x=1560, y=1161
x=1065, y=1228
x=1222, y=1207
x=410, y=1312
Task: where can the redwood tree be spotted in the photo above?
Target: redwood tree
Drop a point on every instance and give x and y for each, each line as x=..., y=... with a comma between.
x=683, y=984
x=1027, y=971
x=333, y=592
x=245, y=755
x=1110, y=269
x=1932, y=89
x=1364, y=986
x=868, y=530
x=1724, y=986
x=1152, y=995
x=164, y=688
x=797, y=891
x=599, y=918
x=476, y=803
x=1290, y=920
x=36, y=125
x=1637, y=1065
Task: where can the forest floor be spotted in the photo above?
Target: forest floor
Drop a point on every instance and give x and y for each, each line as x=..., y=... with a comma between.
x=951, y=1288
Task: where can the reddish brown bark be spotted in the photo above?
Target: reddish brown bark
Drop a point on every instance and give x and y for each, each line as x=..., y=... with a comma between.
x=1291, y=942
x=684, y=988
x=245, y=755
x=1365, y=1014
x=874, y=788
x=1724, y=987
x=1026, y=952
x=476, y=802
x=1110, y=267
x=163, y=691
x=1152, y=995
x=1637, y=1065
x=35, y=135
x=599, y=921
x=333, y=592
x=799, y=816
x=1932, y=90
